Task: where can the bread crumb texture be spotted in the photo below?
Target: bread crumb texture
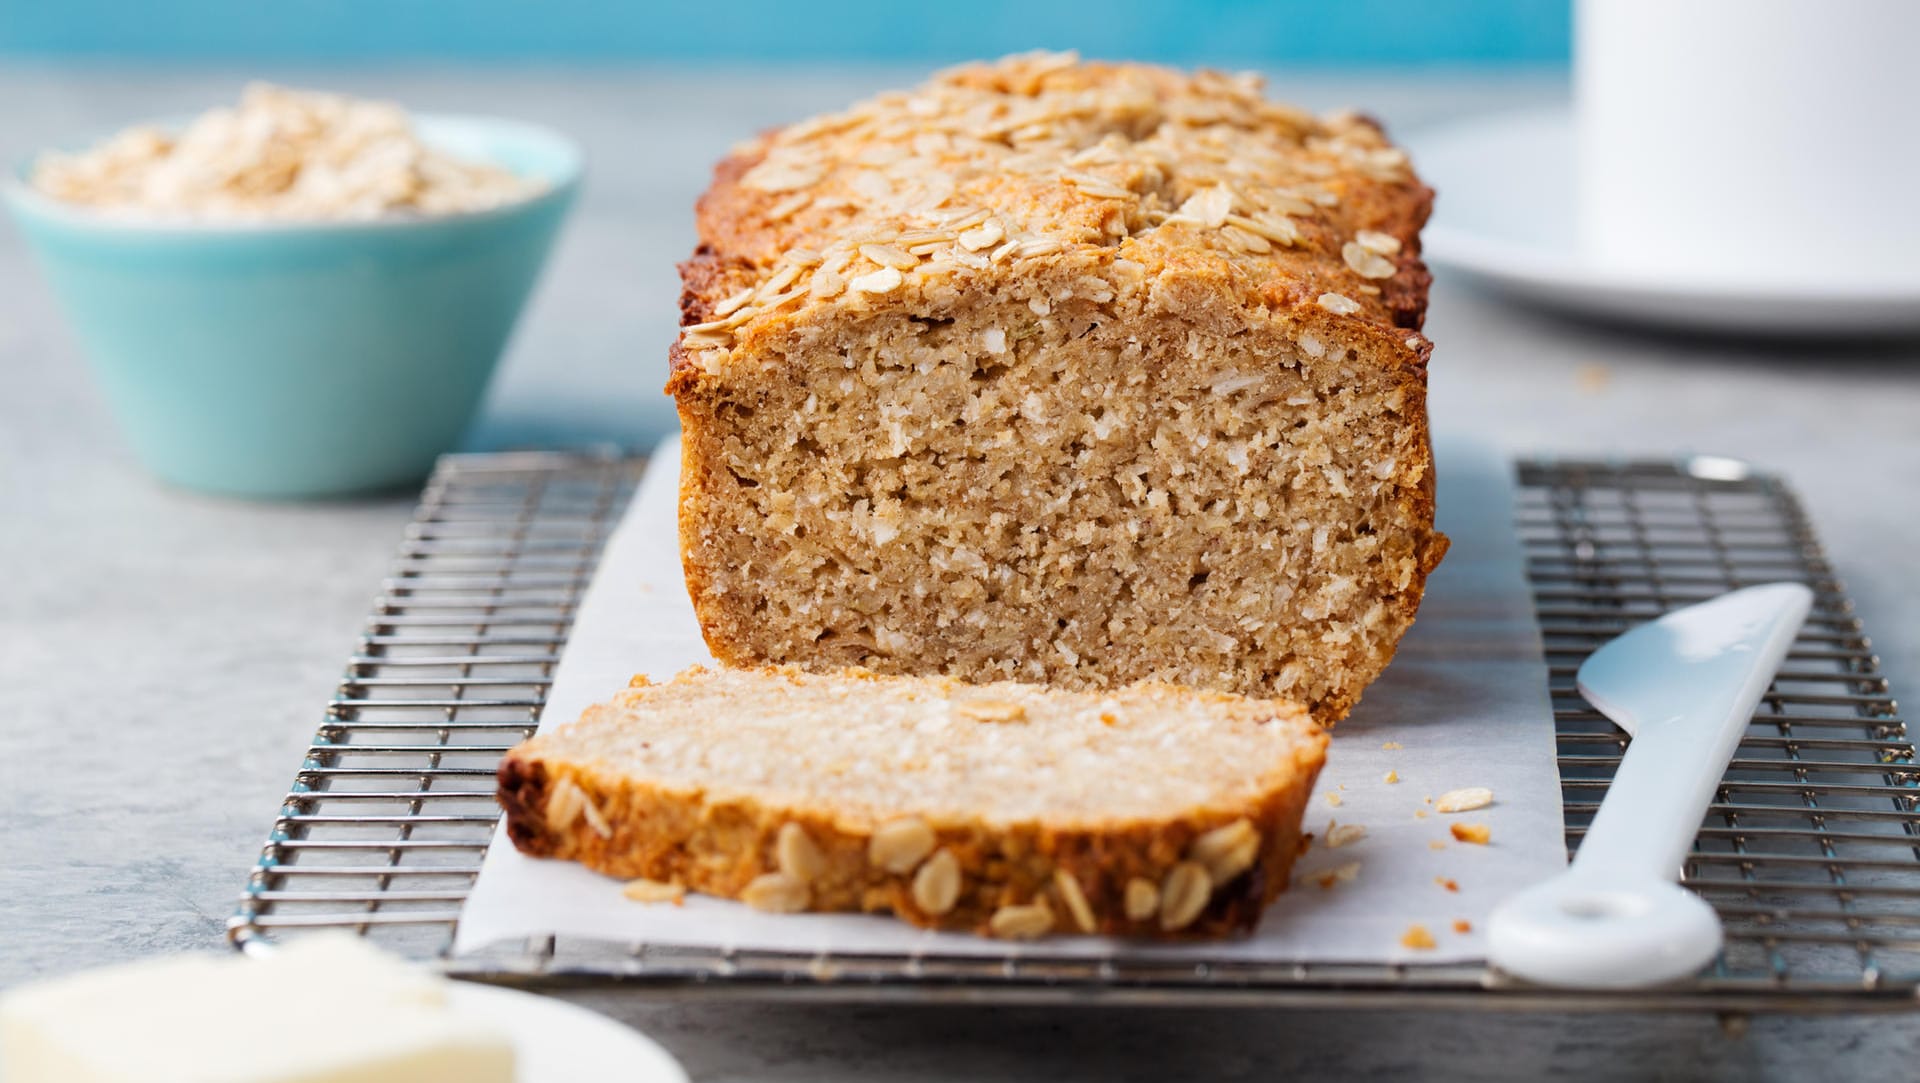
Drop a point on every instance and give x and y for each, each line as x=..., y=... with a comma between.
x=1148, y=810
x=1045, y=370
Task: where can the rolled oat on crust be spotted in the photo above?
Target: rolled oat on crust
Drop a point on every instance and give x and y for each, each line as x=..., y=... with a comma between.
x=1079, y=373
x=1147, y=811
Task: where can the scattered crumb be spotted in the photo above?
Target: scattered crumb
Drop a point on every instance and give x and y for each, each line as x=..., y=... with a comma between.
x=1447, y=882
x=1392, y=746
x=1391, y=777
x=1343, y=786
x=1436, y=844
x=1339, y=874
x=1465, y=800
x=1478, y=834
x=1418, y=938
x=1462, y=926
x=654, y=891
x=1419, y=814
x=1333, y=799
x=1339, y=834
x=1592, y=378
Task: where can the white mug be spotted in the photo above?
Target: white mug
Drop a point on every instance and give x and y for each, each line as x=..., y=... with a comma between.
x=1750, y=142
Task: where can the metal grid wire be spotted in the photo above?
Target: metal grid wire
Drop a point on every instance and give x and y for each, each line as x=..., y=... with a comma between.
x=1811, y=852
x=392, y=808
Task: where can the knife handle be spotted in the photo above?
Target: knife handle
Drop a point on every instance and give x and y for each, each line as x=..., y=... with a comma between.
x=1685, y=686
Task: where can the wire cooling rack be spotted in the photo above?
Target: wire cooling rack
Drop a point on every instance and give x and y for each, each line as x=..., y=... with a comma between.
x=1810, y=853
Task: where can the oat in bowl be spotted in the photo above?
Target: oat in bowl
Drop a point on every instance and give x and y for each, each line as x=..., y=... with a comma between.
x=301, y=295
x=281, y=155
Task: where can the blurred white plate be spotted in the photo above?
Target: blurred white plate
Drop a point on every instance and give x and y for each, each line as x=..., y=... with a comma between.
x=1505, y=212
x=557, y=1042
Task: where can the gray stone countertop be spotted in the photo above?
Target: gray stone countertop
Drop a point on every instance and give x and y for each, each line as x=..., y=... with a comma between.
x=164, y=656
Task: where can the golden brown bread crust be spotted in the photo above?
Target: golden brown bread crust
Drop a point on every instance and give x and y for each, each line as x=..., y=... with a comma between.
x=720, y=850
x=718, y=841
x=1344, y=160
x=1204, y=206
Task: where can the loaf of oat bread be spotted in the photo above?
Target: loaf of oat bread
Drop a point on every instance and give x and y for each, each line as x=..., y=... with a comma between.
x=1007, y=809
x=1067, y=372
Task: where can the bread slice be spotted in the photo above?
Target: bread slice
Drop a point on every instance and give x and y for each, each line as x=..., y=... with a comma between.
x=1064, y=372
x=1004, y=809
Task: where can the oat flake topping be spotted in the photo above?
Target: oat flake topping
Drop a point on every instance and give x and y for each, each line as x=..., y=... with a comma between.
x=1039, y=156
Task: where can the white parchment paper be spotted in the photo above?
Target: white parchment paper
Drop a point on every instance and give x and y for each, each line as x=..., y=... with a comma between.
x=1465, y=700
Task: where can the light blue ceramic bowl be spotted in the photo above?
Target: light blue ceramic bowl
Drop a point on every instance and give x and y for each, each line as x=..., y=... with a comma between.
x=304, y=359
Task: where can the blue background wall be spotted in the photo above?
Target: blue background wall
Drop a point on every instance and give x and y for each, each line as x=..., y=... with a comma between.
x=1331, y=32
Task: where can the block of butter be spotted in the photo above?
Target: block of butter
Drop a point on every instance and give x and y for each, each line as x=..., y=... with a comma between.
x=325, y=1009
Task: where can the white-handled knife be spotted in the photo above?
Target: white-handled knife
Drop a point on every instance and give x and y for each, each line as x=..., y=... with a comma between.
x=1684, y=687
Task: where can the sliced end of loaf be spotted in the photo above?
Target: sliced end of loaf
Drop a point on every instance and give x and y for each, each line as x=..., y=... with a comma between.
x=1002, y=809
x=1144, y=483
